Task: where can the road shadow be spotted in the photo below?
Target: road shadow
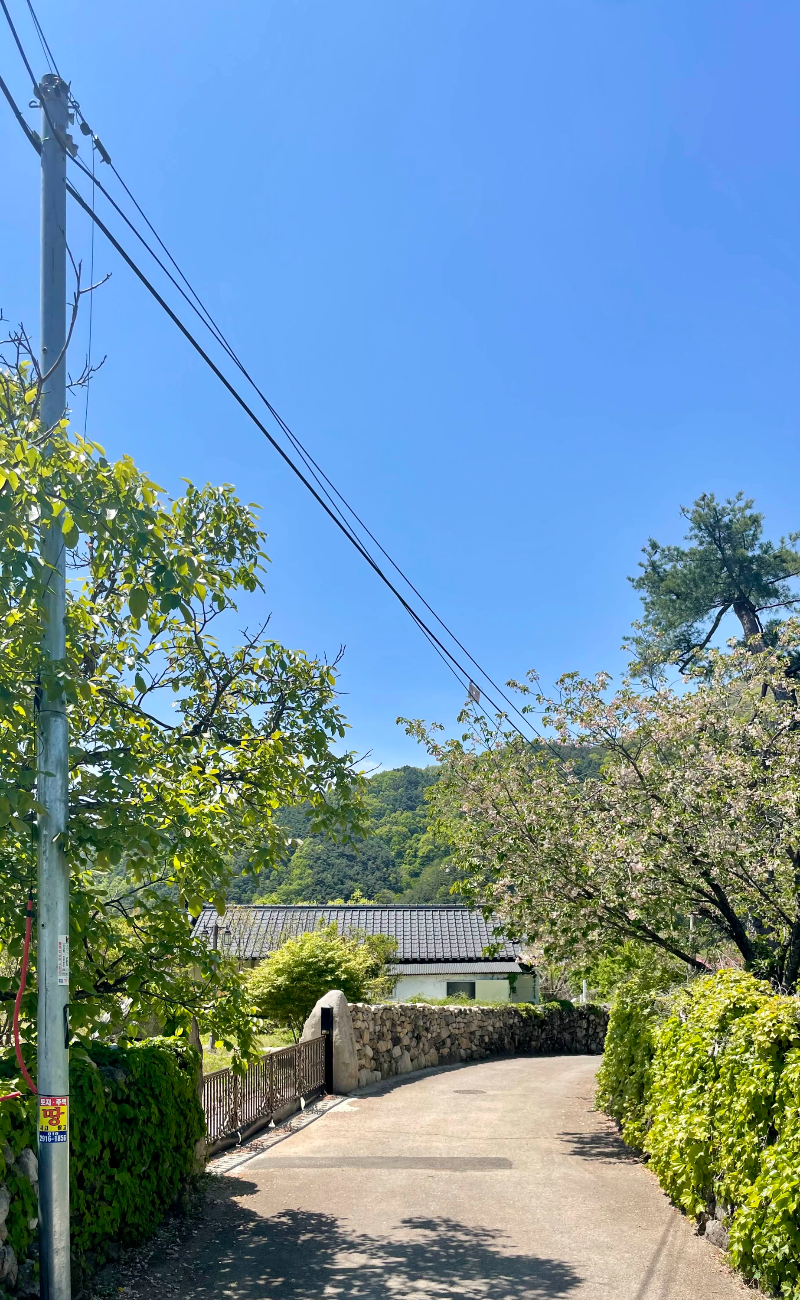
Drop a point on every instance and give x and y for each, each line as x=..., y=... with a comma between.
x=600, y=1144
x=304, y=1255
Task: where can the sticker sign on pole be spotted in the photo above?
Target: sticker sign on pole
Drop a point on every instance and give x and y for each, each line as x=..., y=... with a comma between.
x=63, y=960
x=53, y=1119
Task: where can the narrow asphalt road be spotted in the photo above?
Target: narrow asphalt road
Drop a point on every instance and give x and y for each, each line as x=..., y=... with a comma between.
x=494, y=1180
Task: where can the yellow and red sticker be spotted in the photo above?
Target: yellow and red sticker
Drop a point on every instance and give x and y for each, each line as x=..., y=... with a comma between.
x=53, y=1119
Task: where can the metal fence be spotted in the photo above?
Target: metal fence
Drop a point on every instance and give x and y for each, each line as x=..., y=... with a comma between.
x=232, y=1102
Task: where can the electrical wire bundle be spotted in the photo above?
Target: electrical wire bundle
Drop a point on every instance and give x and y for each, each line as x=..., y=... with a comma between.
x=311, y=474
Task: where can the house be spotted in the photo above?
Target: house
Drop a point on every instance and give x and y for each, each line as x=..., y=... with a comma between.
x=440, y=947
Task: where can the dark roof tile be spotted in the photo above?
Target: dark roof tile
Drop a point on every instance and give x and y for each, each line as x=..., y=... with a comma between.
x=436, y=932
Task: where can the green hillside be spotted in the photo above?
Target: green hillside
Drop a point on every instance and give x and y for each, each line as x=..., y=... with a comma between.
x=399, y=861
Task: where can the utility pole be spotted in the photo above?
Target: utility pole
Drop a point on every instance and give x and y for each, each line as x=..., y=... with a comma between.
x=52, y=923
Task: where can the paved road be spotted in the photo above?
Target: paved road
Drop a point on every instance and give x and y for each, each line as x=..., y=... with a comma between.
x=493, y=1180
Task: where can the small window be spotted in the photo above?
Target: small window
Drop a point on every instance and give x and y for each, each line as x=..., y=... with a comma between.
x=463, y=988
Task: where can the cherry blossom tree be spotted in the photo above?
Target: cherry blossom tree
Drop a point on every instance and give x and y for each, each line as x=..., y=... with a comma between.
x=687, y=838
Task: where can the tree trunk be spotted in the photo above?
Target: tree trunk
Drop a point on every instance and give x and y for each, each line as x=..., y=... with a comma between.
x=753, y=631
x=791, y=967
x=754, y=636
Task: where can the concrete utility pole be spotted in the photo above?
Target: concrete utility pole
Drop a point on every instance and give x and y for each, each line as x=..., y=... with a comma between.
x=52, y=923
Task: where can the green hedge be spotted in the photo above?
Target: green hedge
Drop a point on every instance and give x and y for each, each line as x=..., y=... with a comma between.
x=706, y=1081
x=17, y=1131
x=134, y=1124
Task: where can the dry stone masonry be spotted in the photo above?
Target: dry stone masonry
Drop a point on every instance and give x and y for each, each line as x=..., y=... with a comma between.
x=398, y=1037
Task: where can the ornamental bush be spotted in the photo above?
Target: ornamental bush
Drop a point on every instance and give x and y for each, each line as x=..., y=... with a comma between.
x=625, y=1075
x=135, y=1122
x=286, y=986
x=706, y=1080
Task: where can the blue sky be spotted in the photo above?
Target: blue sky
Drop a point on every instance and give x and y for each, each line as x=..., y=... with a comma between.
x=524, y=277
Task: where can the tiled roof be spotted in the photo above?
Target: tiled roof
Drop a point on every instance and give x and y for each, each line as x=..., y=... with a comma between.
x=424, y=933
x=455, y=968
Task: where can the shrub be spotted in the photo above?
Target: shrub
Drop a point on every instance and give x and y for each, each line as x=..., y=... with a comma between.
x=17, y=1131
x=625, y=1074
x=285, y=987
x=685, y=1094
x=765, y=1233
x=134, y=1124
x=707, y=1081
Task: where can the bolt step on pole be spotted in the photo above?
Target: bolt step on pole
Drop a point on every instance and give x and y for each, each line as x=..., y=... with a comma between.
x=52, y=914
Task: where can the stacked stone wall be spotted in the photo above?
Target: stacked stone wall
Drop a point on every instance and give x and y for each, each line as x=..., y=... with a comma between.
x=398, y=1037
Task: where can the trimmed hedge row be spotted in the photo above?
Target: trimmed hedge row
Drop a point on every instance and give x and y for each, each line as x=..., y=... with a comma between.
x=135, y=1123
x=705, y=1081
x=17, y=1131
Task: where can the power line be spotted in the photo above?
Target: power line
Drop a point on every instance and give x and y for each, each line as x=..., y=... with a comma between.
x=48, y=54
x=332, y=510
x=20, y=47
x=447, y=657
x=78, y=197
x=202, y=311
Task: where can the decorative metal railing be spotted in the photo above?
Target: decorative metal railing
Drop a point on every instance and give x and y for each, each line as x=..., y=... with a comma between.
x=232, y=1102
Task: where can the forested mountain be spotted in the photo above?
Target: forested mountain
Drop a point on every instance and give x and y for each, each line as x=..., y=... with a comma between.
x=399, y=861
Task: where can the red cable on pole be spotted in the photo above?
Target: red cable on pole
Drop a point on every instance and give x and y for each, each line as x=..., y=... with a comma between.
x=18, y=1001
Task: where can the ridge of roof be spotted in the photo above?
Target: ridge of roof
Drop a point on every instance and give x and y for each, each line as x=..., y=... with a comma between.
x=353, y=907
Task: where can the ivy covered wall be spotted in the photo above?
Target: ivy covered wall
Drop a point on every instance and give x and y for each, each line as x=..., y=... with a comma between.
x=135, y=1125
x=705, y=1081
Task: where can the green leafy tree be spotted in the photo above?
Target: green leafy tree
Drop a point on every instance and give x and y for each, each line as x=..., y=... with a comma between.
x=688, y=839
x=286, y=986
x=182, y=745
x=727, y=567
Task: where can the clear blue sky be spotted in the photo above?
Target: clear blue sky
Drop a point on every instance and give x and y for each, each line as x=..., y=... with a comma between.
x=524, y=277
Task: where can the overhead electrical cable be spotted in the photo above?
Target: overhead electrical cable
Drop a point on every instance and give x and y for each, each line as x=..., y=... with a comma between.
x=319, y=475
x=48, y=53
x=330, y=507
x=448, y=658
x=20, y=46
x=205, y=315
x=78, y=197
x=202, y=312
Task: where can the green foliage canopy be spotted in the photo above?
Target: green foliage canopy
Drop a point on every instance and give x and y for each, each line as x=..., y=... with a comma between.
x=285, y=987
x=693, y=814
x=323, y=870
x=687, y=591
x=399, y=859
x=181, y=747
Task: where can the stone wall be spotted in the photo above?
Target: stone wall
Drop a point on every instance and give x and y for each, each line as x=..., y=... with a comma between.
x=398, y=1037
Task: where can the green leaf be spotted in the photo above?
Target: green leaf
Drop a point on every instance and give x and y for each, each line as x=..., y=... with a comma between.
x=137, y=601
x=70, y=530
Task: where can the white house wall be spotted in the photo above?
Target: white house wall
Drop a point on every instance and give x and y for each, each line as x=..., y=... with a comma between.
x=487, y=989
x=491, y=990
